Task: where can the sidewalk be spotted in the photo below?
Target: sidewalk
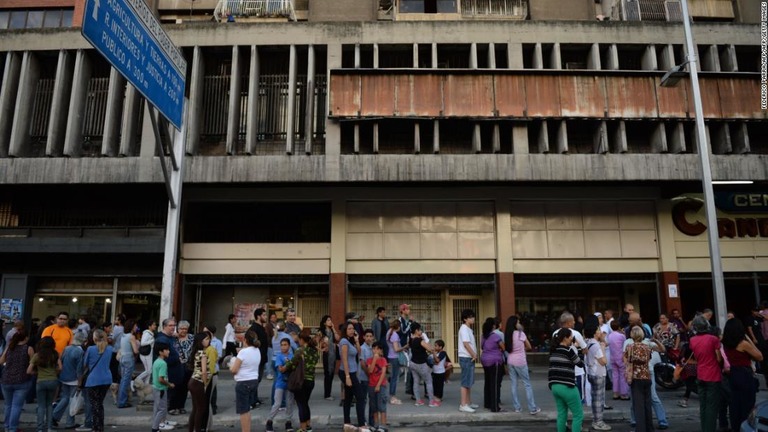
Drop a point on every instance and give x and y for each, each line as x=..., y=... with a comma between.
x=330, y=413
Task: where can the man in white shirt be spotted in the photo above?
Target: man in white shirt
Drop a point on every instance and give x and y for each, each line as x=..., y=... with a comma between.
x=230, y=347
x=467, y=359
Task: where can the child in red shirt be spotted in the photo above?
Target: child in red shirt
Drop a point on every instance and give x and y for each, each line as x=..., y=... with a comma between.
x=378, y=392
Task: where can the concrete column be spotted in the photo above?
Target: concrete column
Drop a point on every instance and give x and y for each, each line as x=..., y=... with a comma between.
x=666, y=59
x=721, y=139
x=728, y=61
x=356, y=139
x=648, y=61
x=667, y=256
x=415, y=53
x=434, y=56
x=309, y=115
x=376, y=137
x=473, y=55
x=709, y=139
x=659, y=139
x=291, y=109
x=740, y=138
x=538, y=56
x=611, y=58
x=195, y=114
x=593, y=59
x=130, y=125
x=543, y=141
x=29, y=76
x=496, y=139
x=62, y=90
x=375, y=56
x=73, y=140
x=332, y=128
x=710, y=58
x=555, y=61
x=235, y=84
x=357, y=56
x=476, y=139
x=515, y=55
x=115, y=101
x=562, y=137
x=520, y=139
x=338, y=281
x=435, y=136
x=505, y=288
x=252, y=124
x=492, y=55
x=668, y=303
x=620, y=138
x=9, y=88
x=148, y=145
x=416, y=138
x=600, y=139
x=676, y=137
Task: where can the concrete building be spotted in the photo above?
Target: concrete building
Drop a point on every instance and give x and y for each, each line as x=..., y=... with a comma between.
x=501, y=155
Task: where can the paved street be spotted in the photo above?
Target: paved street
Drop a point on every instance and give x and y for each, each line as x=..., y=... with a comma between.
x=327, y=415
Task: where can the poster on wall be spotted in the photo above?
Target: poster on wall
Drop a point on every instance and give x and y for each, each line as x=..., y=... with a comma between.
x=11, y=309
x=244, y=317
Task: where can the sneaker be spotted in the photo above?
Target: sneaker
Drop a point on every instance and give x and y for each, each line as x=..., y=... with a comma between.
x=171, y=422
x=288, y=427
x=329, y=398
x=165, y=427
x=434, y=404
x=395, y=401
x=270, y=377
x=474, y=406
x=683, y=403
x=382, y=429
x=466, y=409
x=419, y=402
x=83, y=429
x=518, y=410
x=601, y=426
x=536, y=411
x=270, y=428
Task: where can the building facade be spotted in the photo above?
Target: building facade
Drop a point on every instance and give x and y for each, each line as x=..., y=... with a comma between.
x=503, y=155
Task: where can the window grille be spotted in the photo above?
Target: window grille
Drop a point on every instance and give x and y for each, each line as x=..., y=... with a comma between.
x=494, y=8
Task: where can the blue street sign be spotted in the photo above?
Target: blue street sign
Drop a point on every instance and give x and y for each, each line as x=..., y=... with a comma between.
x=129, y=36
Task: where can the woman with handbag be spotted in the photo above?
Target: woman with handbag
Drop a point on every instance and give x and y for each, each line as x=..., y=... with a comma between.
x=198, y=363
x=516, y=343
x=562, y=379
x=637, y=357
x=393, y=358
x=349, y=346
x=741, y=352
x=16, y=381
x=145, y=353
x=307, y=355
x=97, y=377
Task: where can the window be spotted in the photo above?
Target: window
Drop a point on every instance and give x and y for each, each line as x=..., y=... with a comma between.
x=428, y=6
x=35, y=19
x=52, y=19
x=41, y=18
x=18, y=19
x=4, y=15
x=66, y=17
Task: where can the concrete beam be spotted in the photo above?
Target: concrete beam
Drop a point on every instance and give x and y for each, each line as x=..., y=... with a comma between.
x=233, y=119
x=252, y=123
x=115, y=104
x=62, y=90
x=30, y=75
x=8, y=91
x=132, y=108
x=73, y=140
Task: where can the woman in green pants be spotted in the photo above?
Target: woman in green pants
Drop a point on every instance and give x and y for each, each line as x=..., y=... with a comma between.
x=562, y=380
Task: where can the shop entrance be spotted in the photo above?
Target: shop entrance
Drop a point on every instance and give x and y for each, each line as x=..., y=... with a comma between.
x=458, y=304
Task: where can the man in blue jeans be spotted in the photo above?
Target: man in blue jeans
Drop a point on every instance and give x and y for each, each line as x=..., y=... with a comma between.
x=467, y=359
x=71, y=365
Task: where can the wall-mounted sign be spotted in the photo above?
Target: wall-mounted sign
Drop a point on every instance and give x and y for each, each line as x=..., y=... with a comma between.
x=741, y=202
x=11, y=309
x=726, y=227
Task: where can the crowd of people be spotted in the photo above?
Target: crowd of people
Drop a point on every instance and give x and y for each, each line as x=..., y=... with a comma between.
x=68, y=363
x=718, y=364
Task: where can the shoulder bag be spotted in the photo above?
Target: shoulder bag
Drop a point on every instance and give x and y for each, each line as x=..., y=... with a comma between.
x=629, y=372
x=88, y=371
x=296, y=378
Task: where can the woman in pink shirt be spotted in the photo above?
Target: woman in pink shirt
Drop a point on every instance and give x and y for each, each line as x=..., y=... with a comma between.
x=516, y=344
x=616, y=346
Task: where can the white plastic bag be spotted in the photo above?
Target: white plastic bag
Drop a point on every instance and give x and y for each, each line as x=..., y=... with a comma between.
x=75, y=402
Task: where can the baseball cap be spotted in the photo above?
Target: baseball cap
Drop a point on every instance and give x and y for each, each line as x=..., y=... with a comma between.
x=404, y=307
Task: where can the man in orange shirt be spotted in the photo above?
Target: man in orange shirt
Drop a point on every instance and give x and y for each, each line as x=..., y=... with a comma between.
x=60, y=332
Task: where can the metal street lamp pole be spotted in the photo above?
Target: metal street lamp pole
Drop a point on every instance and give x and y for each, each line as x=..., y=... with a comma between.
x=706, y=175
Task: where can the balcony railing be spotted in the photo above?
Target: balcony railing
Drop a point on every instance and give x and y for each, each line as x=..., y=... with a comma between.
x=651, y=10
x=229, y=10
x=517, y=9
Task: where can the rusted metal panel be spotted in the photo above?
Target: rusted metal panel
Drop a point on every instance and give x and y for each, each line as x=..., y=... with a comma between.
x=419, y=95
x=739, y=98
x=582, y=96
x=468, y=96
x=672, y=101
x=345, y=95
x=542, y=96
x=377, y=95
x=510, y=95
x=631, y=97
x=710, y=98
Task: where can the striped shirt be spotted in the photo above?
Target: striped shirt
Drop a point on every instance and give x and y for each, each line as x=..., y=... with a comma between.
x=561, y=363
